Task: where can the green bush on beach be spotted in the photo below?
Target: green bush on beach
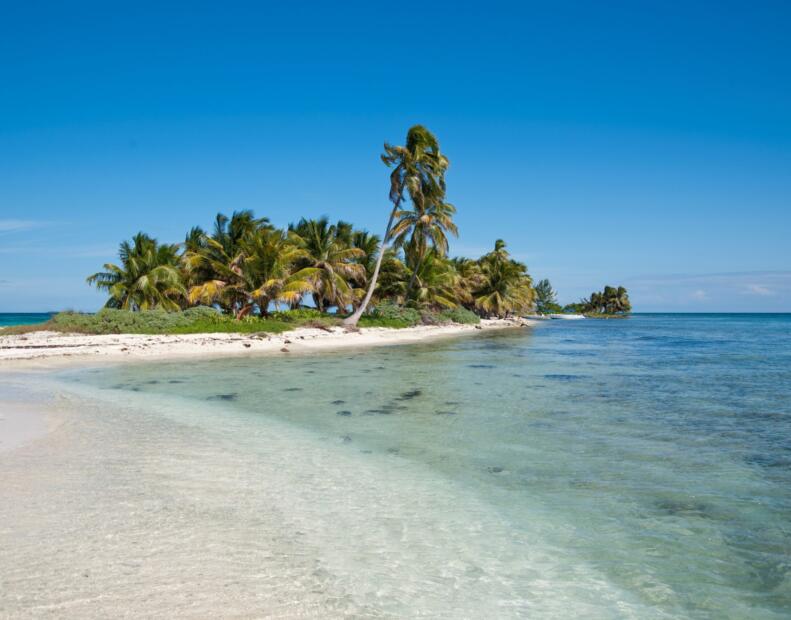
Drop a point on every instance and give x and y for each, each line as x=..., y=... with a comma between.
x=190, y=321
x=205, y=320
x=460, y=315
x=392, y=315
x=395, y=315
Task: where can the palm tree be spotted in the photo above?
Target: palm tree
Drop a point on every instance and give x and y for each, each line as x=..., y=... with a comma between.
x=271, y=259
x=418, y=169
x=435, y=283
x=229, y=232
x=622, y=302
x=392, y=281
x=419, y=228
x=368, y=244
x=147, y=278
x=506, y=287
x=332, y=259
x=263, y=272
x=470, y=279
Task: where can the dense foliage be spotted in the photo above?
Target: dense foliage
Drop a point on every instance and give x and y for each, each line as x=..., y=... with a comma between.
x=546, y=298
x=611, y=301
x=245, y=266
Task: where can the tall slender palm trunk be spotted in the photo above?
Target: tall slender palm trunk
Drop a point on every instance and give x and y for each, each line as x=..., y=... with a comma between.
x=421, y=256
x=354, y=318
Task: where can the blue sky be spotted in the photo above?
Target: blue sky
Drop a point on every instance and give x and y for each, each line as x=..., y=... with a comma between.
x=645, y=144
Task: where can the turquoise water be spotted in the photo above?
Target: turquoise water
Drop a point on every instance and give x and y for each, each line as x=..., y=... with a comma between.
x=636, y=468
x=23, y=318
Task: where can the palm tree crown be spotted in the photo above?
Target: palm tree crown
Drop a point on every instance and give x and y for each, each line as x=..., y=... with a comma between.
x=147, y=278
x=325, y=249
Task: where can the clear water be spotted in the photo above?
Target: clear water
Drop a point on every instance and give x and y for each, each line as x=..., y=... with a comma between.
x=23, y=318
x=599, y=469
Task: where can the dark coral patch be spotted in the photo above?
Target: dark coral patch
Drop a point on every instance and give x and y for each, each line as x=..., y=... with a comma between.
x=226, y=397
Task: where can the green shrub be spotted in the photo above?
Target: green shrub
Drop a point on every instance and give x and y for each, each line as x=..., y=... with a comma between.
x=207, y=320
x=373, y=321
x=191, y=321
x=460, y=315
x=429, y=317
x=298, y=315
x=392, y=312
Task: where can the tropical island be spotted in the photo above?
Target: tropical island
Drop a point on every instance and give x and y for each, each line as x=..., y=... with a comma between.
x=612, y=302
x=247, y=276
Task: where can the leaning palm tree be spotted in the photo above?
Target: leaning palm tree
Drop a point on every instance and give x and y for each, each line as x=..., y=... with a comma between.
x=333, y=261
x=368, y=244
x=418, y=170
x=147, y=278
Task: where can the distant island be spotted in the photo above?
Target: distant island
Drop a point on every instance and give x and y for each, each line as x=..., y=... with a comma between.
x=611, y=302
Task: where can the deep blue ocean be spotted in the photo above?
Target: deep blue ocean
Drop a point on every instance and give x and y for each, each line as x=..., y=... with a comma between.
x=23, y=318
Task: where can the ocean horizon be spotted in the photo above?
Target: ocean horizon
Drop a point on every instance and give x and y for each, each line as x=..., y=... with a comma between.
x=8, y=319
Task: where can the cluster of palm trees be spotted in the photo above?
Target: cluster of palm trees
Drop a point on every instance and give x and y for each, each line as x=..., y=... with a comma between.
x=611, y=300
x=246, y=265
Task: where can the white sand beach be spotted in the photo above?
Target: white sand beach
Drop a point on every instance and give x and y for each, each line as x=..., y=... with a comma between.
x=54, y=346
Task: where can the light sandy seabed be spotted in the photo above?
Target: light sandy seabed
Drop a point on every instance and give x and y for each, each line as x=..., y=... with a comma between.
x=70, y=556
x=22, y=421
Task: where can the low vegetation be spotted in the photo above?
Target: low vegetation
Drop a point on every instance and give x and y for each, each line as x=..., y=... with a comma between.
x=190, y=321
x=204, y=320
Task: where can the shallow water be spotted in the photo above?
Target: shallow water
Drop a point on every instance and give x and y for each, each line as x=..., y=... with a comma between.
x=601, y=469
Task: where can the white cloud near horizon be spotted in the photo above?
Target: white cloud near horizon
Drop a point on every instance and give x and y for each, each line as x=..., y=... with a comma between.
x=757, y=289
x=743, y=291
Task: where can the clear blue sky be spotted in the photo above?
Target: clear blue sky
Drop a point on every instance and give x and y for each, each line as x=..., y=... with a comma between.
x=638, y=143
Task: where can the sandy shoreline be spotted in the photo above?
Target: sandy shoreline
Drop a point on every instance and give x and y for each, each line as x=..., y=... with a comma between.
x=20, y=351
x=22, y=422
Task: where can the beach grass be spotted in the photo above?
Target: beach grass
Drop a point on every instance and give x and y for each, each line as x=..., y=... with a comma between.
x=190, y=321
x=204, y=320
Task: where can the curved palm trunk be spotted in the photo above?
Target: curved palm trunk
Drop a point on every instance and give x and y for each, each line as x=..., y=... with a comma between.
x=421, y=256
x=413, y=279
x=354, y=318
